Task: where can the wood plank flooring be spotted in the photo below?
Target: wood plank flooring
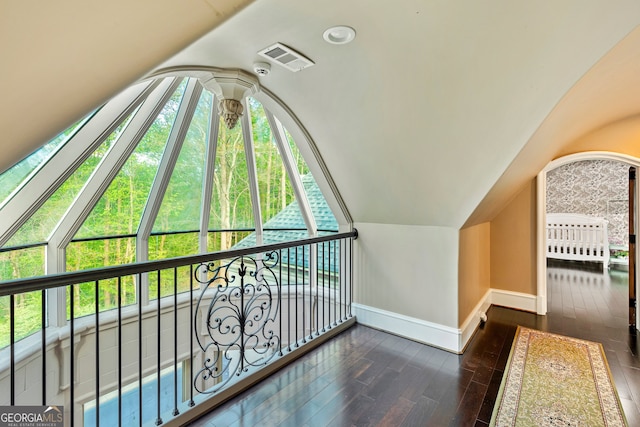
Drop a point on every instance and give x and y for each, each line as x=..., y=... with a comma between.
x=365, y=377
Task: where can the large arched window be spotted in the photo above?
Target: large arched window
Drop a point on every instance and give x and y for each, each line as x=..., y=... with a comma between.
x=154, y=173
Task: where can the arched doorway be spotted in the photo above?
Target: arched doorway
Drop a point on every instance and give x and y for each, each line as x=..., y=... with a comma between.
x=542, y=209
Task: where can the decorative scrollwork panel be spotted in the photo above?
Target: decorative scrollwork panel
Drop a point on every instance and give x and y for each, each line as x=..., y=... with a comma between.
x=239, y=312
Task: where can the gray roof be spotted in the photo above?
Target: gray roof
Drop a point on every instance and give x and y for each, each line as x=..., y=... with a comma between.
x=290, y=218
x=288, y=224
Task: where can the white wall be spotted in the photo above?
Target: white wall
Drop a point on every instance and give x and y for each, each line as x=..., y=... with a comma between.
x=409, y=275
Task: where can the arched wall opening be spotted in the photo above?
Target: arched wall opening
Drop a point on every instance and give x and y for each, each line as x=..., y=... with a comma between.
x=541, y=301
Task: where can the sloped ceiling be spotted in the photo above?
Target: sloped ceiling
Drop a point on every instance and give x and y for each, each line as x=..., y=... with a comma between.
x=61, y=59
x=606, y=96
x=434, y=115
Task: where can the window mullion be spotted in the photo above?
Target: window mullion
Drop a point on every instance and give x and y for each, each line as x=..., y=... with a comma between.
x=169, y=158
x=161, y=181
x=252, y=173
x=208, y=177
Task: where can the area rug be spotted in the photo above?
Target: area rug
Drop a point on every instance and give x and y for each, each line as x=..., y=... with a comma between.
x=553, y=380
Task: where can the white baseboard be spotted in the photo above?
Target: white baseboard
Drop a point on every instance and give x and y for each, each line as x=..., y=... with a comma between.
x=517, y=300
x=419, y=330
x=434, y=334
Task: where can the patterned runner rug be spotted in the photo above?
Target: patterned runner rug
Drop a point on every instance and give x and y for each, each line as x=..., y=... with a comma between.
x=553, y=380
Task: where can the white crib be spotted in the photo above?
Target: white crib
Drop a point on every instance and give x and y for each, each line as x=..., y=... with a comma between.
x=577, y=237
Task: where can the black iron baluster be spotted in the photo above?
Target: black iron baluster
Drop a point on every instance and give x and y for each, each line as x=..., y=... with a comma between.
x=332, y=291
x=296, y=296
x=158, y=359
x=242, y=318
x=332, y=295
x=12, y=339
x=324, y=282
x=119, y=350
x=317, y=294
x=343, y=269
x=97, y=307
x=44, y=346
x=332, y=283
x=338, y=279
x=343, y=274
x=139, y=297
x=280, y=297
x=192, y=322
x=289, y=299
x=350, y=274
x=175, y=342
x=339, y=273
x=337, y=267
x=335, y=285
x=303, y=302
x=310, y=296
x=324, y=321
x=71, y=351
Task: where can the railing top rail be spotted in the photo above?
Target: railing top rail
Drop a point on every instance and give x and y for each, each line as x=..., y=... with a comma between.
x=39, y=283
x=154, y=234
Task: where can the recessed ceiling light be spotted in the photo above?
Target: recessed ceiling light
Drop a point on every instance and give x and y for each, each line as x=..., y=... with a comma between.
x=340, y=34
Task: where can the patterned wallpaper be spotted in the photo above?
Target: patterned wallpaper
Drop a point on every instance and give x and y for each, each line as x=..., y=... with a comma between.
x=593, y=187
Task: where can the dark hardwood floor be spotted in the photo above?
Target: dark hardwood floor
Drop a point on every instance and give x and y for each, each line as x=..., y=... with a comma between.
x=366, y=377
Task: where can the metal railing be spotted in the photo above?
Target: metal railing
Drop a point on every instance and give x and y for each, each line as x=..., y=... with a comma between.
x=210, y=326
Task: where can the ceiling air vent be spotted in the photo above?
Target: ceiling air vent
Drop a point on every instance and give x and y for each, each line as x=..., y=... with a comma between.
x=285, y=56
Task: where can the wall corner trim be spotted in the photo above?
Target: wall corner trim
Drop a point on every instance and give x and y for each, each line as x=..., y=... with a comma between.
x=471, y=323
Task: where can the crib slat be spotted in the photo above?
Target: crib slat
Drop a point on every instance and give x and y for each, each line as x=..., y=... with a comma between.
x=577, y=237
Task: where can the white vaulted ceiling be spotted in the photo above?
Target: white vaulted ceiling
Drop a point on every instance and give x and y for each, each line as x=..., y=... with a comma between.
x=436, y=114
